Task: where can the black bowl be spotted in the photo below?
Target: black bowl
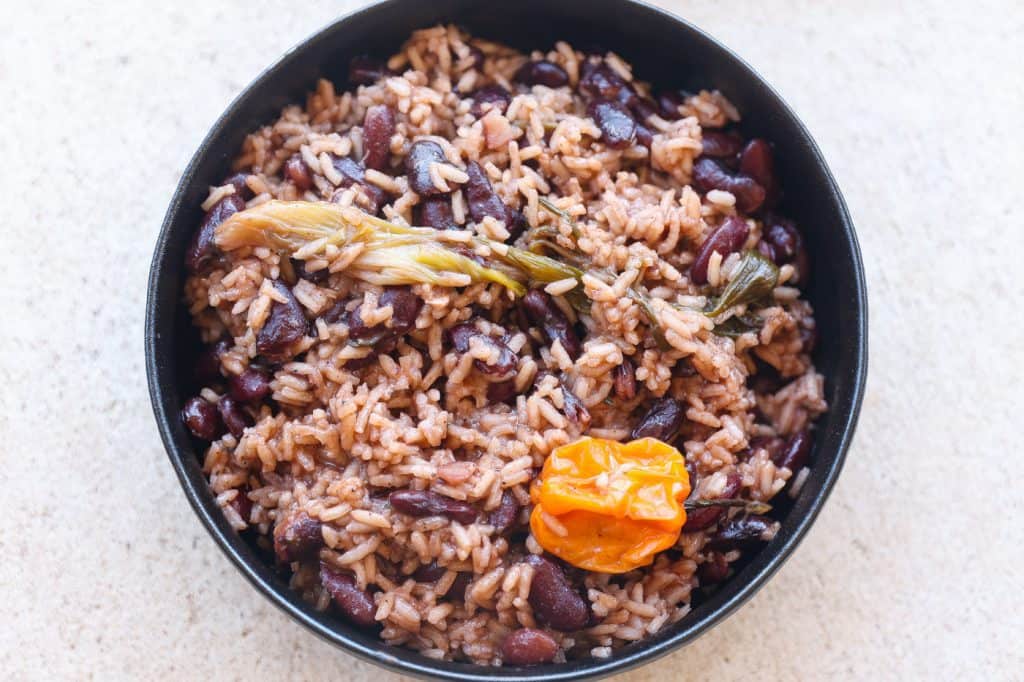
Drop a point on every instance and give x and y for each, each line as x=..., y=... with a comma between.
x=666, y=51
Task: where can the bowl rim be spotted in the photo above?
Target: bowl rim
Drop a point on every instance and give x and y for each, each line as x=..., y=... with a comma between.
x=421, y=666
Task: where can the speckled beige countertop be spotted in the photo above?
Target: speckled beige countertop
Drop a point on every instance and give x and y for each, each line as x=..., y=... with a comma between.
x=913, y=569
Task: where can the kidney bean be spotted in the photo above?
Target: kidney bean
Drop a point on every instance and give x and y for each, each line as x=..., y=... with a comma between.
x=490, y=97
x=618, y=128
x=238, y=181
x=354, y=173
x=517, y=225
x=202, y=248
x=297, y=538
x=365, y=70
x=714, y=570
x=543, y=312
x=378, y=127
x=405, y=307
x=207, y=367
x=644, y=135
x=417, y=166
x=481, y=199
x=435, y=212
x=758, y=162
x=459, y=586
x=541, y=72
x=787, y=245
x=429, y=573
x=669, y=103
x=574, y=409
x=699, y=519
x=624, y=377
x=555, y=601
x=772, y=444
x=296, y=170
x=528, y=646
x=796, y=451
x=727, y=238
x=233, y=416
x=507, y=362
x=600, y=81
x=506, y=514
x=285, y=325
x=708, y=174
x=721, y=145
x=501, y=391
x=662, y=421
x=744, y=532
x=428, y=503
x=202, y=419
x=242, y=504
x=356, y=605
x=808, y=339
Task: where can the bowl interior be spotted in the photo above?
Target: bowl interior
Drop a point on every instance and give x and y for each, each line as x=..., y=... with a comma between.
x=664, y=51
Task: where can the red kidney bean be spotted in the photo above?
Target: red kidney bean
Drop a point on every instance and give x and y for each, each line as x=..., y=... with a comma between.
x=699, y=519
x=796, y=451
x=428, y=503
x=501, y=391
x=207, y=367
x=708, y=174
x=233, y=416
x=624, y=377
x=316, y=276
x=365, y=70
x=721, y=145
x=517, y=225
x=378, y=127
x=285, y=325
x=600, y=81
x=555, y=601
x=417, y=166
x=541, y=72
x=787, y=245
x=727, y=238
x=506, y=514
x=297, y=538
x=481, y=199
x=242, y=504
x=715, y=569
x=772, y=444
x=490, y=97
x=238, y=181
x=356, y=605
x=507, y=362
x=744, y=532
x=202, y=419
x=543, y=312
x=202, y=248
x=429, y=573
x=644, y=135
x=618, y=128
x=459, y=586
x=435, y=212
x=354, y=173
x=405, y=308
x=574, y=409
x=758, y=162
x=296, y=170
x=669, y=103
x=662, y=421
x=528, y=646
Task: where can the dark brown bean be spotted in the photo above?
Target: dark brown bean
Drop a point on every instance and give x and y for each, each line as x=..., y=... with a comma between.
x=574, y=409
x=709, y=174
x=378, y=127
x=757, y=161
x=669, y=103
x=435, y=212
x=501, y=391
x=297, y=538
x=315, y=276
x=618, y=128
x=600, y=81
x=297, y=171
x=720, y=145
x=714, y=570
x=429, y=573
x=356, y=605
x=796, y=452
x=642, y=108
x=624, y=377
x=365, y=70
x=202, y=419
x=528, y=646
x=207, y=367
x=554, y=600
x=481, y=199
x=787, y=246
x=503, y=367
x=238, y=181
x=490, y=97
x=202, y=248
x=428, y=503
x=459, y=586
x=517, y=225
x=541, y=72
x=354, y=174
x=543, y=313
x=727, y=238
x=233, y=416
x=663, y=420
x=699, y=519
x=644, y=135
x=772, y=444
x=417, y=166
x=405, y=307
x=744, y=532
x=242, y=504
x=285, y=325
x=506, y=514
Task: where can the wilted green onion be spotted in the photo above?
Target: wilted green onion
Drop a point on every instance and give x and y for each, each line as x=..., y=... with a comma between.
x=755, y=279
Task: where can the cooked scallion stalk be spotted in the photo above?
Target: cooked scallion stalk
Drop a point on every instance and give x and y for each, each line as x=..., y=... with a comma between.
x=755, y=279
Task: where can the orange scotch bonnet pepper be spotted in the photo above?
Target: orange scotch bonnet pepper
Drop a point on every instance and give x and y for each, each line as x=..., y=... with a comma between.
x=607, y=506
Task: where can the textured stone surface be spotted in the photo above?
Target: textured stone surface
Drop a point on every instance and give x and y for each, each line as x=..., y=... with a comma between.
x=913, y=568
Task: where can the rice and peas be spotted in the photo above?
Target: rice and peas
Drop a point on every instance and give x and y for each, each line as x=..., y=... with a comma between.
x=600, y=262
